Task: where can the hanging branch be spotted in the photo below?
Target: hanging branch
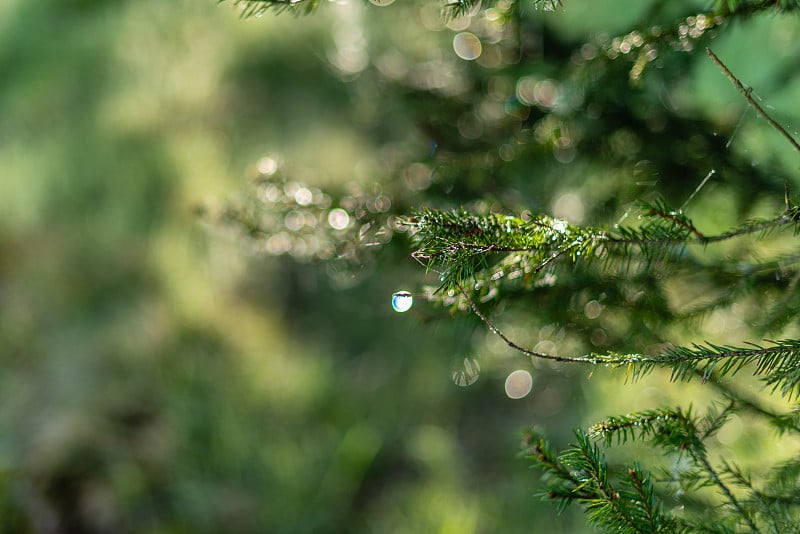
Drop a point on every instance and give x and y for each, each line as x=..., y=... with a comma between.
x=783, y=422
x=458, y=246
x=457, y=8
x=747, y=94
x=256, y=8
x=626, y=503
x=581, y=468
x=778, y=364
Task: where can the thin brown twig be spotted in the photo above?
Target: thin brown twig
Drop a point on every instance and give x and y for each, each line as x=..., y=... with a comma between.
x=477, y=311
x=678, y=221
x=746, y=92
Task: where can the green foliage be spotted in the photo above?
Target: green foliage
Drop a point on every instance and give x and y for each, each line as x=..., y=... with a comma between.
x=734, y=6
x=458, y=245
x=257, y=8
x=605, y=118
x=581, y=474
x=460, y=248
x=623, y=502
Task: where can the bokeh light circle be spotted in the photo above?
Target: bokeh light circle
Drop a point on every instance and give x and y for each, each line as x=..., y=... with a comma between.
x=338, y=219
x=519, y=384
x=468, y=373
x=467, y=46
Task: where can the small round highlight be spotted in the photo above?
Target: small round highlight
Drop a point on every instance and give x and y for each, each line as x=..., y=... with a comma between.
x=468, y=373
x=338, y=219
x=402, y=301
x=267, y=166
x=519, y=384
x=467, y=46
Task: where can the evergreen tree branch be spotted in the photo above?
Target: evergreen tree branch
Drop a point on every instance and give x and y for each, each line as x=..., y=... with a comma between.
x=702, y=459
x=779, y=363
x=256, y=8
x=459, y=244
x=606, y=509
x=580, y=474
x=535, y=354
x=634, y=509
x=670, y=429
x=747, y=94
x=465, y=248
x=673, y=430
x=562, y=485
x=782, y=422
x=457, y=8
x=654, y=235
x=757, y=501
x=643, y=492
x=714, y=420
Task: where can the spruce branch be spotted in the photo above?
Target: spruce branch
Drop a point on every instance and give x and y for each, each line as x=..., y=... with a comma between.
x=702, y=459
x=256, y=8
x=470, y=251
x=605, y=507
x=563, y=485
x=581, y=474
x=671, y=429
x=783, y=422
x=459, y=246
x=755, y=500
x=747, y=94
x=458, y=8
x=674, y=430
x=646, y=508
x=675, y=218
x=778, y=363
x=714, y=420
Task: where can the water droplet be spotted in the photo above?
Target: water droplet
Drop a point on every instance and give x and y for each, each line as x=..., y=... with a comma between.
x=468, y=374
x=559, y=225
x=402, y=301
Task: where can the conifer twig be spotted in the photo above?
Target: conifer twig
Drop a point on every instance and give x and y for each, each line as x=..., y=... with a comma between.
x=701, y=458
x=528, y=352
x=781, y=421
x=747, y=93
x=699, y=187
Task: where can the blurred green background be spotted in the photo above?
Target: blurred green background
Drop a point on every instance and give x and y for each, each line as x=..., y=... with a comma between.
x=157, y=376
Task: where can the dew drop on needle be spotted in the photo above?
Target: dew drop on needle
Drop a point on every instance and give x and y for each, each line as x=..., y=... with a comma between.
x=402, y=301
